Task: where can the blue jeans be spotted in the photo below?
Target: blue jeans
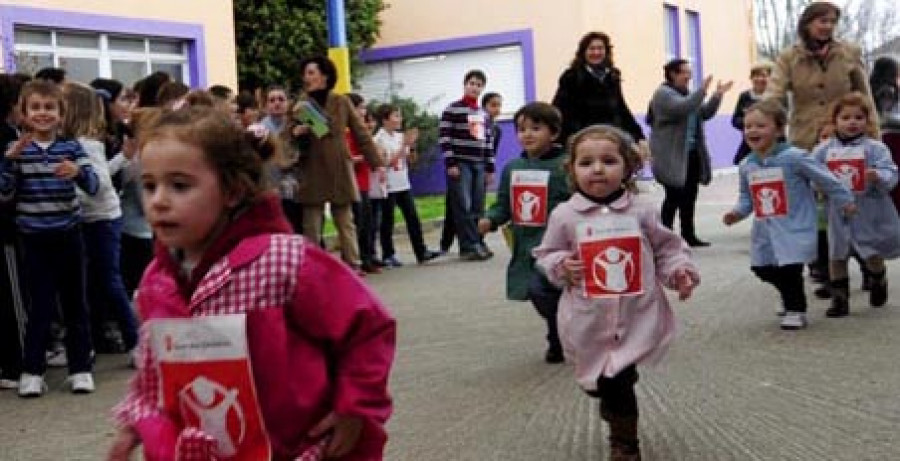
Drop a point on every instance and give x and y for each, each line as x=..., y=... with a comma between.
x=107, y=297
x=467, y=203
x=54, y=267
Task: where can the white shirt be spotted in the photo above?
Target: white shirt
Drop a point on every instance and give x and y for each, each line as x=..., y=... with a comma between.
x=398, y=172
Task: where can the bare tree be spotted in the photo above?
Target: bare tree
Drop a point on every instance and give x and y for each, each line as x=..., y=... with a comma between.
x=867, y=23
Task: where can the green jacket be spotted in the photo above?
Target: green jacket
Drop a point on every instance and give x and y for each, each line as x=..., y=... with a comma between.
x=525, y=238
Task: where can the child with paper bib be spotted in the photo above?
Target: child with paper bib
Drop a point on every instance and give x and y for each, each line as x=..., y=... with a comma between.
x=864, y=166
x=256, y=343
x=613, y=256
x=776, y=185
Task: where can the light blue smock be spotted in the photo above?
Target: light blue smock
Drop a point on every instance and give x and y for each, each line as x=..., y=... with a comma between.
x=875, y=229
x=790, y=239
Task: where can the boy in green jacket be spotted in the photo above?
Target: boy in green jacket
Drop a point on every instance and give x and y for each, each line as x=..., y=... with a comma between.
x=530, y=188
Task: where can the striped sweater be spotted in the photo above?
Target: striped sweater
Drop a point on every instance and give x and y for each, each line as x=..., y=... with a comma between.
x=43, y=201
x=458, y=124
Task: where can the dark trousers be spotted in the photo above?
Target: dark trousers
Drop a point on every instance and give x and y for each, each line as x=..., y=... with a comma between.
x=468, y=203
x=293, y=211
x=136, y=256
x=404, y=200
x=683, y=199
x=545, y=298
x=12, y=311
x=448, y=233
x=616, y=394
x=107, y=297
x=365, y=235
x=788, y=280
x=54, y=266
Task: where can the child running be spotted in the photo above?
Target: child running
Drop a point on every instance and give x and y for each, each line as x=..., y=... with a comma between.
x=775, y=186
x=42, y=170
x=530, y=188
x=229, y=277
x=865, y=167
x=613, y=256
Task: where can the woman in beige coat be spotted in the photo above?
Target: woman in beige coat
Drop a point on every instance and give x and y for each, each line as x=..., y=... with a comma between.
x=816, y=70
x=325, y=169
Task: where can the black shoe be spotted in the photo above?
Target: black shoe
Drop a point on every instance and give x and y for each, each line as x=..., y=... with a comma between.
x=554, y=355
x=428, y=256
x=878, y=294
x=473, y=255
x=840, y=300
x=695, y=242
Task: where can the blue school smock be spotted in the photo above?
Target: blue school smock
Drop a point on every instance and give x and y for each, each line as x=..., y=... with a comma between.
x=790, y=239
x=875, y=229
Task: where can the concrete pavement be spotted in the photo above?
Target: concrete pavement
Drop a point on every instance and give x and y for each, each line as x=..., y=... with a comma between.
x=470, y=384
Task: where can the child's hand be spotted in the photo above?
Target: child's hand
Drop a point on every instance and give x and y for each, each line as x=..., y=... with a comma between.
x=66, y=170
x=15, y=150
x=685, y=284
x=730, y=218
x=484, y=226
x=125, y=442
x=849, y=209
x=574, y=270
x=453, y=172
x=872, y=175
x=346, y=432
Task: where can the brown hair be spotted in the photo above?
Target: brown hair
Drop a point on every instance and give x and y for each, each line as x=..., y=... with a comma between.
x=43, y=88
x=585, y=42
x=772, y=109
x=855, y=99
x=197, y=98
x=236, y=155
x=84, y=115
x=813, y=11
x=540, y=112
x=170, y=92
x=612, y=134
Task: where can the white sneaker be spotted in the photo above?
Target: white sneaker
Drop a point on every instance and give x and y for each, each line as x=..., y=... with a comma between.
x=57, y=358
x=793, y=320
x=82, y=383
x=6, y=384
x=31, y=385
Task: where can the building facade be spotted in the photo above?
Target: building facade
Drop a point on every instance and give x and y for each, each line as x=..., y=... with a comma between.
x=523, y=46
x=123, y=39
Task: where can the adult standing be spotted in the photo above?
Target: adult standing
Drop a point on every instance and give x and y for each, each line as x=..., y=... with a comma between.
x=678, y=144
x=325, y=169
x=283, y=172
x=590, y=91
x=759, y=79
x=816, y=70
x=885, y=83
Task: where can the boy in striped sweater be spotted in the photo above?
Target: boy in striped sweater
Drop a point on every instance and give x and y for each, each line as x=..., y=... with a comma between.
x=465, y=140
x=40, y=171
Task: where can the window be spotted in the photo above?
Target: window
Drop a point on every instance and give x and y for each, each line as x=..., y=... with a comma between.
x=88, y=55
x=695, y=47
x=673, y=33
x=434, y=81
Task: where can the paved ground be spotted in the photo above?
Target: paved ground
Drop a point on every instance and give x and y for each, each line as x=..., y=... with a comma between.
x=470, y=384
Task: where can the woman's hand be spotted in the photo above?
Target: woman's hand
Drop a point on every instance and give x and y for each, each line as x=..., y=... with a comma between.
x=722, y=88
x=453, y=172
x=299, y=130
x=730, y=218
x=126, y=441
x=346, y=431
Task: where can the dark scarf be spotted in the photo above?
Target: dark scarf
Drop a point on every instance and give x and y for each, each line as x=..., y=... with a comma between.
x=263, y=216
x=319, y=96
x=819, y=49
x=848, y=139
x=681, y=91
x=602, y=200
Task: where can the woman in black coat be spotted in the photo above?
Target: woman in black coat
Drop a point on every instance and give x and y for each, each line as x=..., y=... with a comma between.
x=590, y=91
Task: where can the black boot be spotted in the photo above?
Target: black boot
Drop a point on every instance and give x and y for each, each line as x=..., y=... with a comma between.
x=878, y=294
x=840, y=299
x=623, y=438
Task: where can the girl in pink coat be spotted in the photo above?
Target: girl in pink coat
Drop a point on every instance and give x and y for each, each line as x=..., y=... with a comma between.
x=613, y=256
x=306, y=377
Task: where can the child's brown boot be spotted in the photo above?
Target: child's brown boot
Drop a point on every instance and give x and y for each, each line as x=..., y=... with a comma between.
x=623, y=440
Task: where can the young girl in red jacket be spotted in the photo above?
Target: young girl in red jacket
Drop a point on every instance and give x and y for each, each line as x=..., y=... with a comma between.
x=317, y=344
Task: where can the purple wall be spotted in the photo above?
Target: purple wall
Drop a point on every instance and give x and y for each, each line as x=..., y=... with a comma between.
x=721, y=140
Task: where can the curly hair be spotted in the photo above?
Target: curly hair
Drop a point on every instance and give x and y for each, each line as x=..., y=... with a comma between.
x=626, y=149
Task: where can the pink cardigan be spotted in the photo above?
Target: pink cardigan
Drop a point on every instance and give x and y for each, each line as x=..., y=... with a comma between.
x=604, y=336
x=319, y=340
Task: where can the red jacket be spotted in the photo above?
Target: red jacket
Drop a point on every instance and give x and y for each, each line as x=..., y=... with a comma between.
x=361, y=168
x=319, y=339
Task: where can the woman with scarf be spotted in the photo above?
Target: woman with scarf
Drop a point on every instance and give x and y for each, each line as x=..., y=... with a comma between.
x=678, y=144
x=325, y=168
x=816, y=70
x=590, y=92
